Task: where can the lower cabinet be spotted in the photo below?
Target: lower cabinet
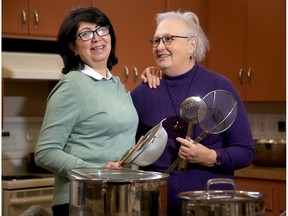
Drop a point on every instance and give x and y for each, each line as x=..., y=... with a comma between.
x=274, y=193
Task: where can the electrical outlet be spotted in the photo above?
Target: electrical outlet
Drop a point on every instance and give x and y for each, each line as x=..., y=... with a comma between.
x=8, y=138
x=280, y=127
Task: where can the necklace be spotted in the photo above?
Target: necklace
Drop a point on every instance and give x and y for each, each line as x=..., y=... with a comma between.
x=177, y=126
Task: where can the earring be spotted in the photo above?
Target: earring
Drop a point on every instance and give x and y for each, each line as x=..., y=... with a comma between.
x=75, y=54
x=191, y=56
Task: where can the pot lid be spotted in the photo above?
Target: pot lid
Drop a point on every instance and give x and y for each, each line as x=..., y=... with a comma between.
x=114, y=175
x=221, y=195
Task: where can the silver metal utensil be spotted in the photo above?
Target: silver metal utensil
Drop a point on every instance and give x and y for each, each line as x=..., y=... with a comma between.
x=149, y=147
x=192, y=110
x=221, y=112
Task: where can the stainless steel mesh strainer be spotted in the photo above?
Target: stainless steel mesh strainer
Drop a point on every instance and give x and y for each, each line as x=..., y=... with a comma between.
x=221, y=112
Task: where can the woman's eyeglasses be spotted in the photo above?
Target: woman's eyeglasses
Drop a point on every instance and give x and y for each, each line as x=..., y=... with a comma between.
x=166, y=39
x=88, y=35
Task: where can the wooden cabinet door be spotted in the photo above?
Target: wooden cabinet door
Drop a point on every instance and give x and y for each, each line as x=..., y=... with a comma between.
x=143, y=25
x=226, y=33
x=14, y=14
x=133, y=22
x=266, y=50
x=43, y=18
x=282, y=197
x=249, y=37
x=50, y=15
x=269, y=188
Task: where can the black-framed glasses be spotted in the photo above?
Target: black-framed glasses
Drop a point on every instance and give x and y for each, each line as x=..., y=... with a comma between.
x=88, y=35
x=166, y=39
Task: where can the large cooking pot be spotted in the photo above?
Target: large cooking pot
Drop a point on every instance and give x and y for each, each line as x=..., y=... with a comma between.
x=270, y=152
x=117, y=192
x=221, y=202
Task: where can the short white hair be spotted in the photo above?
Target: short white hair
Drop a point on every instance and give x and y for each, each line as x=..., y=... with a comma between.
x=193, y=30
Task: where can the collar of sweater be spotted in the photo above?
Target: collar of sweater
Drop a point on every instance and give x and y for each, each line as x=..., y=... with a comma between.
x=183, y=79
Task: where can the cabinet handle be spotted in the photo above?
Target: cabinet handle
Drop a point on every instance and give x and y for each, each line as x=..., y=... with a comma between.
x=24, y=19
x=240, y=76
x=135, y=74
x=249, y=75
x=126, y=73
x=36, y=18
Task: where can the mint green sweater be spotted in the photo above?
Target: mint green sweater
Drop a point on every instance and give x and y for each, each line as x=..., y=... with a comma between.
x=87, y=123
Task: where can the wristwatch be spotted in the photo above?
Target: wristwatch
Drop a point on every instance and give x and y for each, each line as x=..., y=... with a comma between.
x=218, y=159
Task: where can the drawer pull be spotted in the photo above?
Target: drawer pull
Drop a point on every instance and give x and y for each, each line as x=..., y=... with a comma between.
x=126, y=73
x=36, y=16
x=249, y=75
x=24, y=19
x=240, y=76
x=135, y=74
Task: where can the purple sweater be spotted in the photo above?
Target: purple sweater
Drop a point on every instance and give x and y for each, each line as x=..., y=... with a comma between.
x=235, y=145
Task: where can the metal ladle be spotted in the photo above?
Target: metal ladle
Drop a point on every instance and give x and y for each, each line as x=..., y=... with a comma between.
x=220, y=113
x=192, y=110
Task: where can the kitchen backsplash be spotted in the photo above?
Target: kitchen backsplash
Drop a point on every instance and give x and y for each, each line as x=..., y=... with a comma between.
x=267, y=120
x=267, y=126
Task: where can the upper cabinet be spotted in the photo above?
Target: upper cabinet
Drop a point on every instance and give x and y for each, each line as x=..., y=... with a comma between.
x=34, y=18
x=134, y=25
x=247, y=45
x=247, y=37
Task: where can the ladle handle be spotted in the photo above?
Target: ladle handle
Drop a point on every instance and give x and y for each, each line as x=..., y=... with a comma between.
x=183, y=163
x=177, y=161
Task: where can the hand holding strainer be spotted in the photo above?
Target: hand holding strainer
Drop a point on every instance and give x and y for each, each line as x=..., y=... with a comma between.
x=221, y=112
x=192, y=110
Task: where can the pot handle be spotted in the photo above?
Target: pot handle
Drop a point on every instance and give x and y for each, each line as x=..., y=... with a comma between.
x=220, y=181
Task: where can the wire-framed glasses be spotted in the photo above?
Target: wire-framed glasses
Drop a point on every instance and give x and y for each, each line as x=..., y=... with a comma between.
x=88, y=35
x=166, y=39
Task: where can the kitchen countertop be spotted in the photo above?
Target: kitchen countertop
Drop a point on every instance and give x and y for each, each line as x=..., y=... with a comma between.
x=266, y=173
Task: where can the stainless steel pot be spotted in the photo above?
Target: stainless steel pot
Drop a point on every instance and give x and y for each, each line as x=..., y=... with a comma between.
x=270, y=152
x=117, y=192
x=221, y=202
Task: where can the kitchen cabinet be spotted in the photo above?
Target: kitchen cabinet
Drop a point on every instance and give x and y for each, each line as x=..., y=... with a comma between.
x=134, y=25
x=274, y=193
x=271, y=181
x=35, y=19
x=247, y=45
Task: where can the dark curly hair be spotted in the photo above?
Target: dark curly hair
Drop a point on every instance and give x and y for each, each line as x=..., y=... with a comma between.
x=68, y=31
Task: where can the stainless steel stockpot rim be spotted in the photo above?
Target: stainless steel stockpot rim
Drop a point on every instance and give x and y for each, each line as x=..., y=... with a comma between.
x=115, y=175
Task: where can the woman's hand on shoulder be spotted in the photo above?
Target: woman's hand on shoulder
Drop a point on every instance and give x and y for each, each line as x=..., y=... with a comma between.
x=152, y=76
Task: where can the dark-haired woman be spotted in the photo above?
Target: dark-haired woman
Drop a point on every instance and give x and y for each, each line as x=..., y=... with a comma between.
x=90, y=119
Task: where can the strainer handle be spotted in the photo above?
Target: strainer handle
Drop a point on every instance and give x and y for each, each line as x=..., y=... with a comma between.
x=183, y=163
